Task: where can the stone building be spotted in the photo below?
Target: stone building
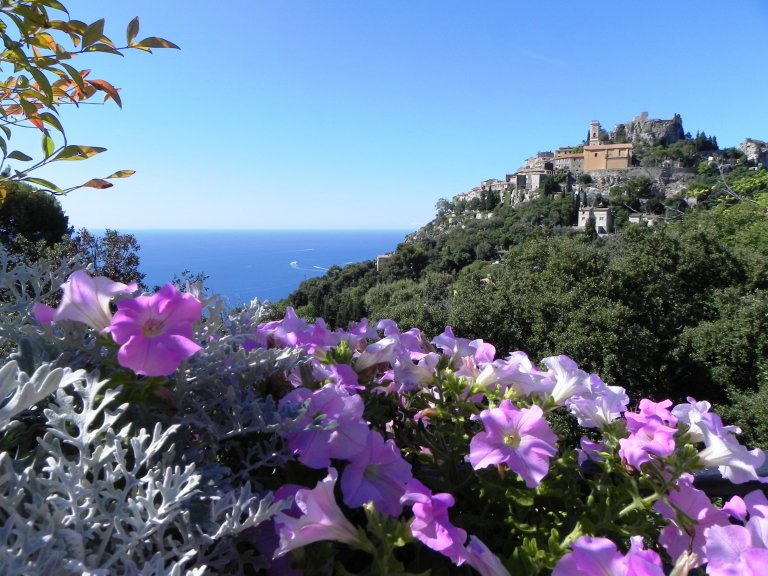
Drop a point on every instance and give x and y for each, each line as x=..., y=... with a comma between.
x=603, y=219
x=570, y=161
x=599, y=156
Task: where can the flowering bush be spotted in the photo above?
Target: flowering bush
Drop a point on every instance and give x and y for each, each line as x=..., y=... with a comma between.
x=287, y=447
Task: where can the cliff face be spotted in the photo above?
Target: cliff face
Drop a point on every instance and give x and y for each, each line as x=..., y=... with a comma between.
x=642, y=130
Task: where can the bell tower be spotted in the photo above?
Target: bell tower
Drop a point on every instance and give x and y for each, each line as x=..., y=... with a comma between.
x=594, y=133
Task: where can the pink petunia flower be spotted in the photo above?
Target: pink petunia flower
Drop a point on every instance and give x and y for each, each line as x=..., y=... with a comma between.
x=377, y=474
x=320, y=519
x=85, y=299
x=652, y=438
x=519, y=438
x=155, y=332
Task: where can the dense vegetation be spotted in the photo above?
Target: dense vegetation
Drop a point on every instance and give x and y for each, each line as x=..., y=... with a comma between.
x=33, y=226
x=675, y=310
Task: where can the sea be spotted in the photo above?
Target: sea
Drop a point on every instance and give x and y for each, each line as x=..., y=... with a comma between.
x=266, y=264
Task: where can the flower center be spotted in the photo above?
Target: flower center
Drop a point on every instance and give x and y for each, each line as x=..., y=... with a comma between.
x=153, y=328
x=512, y=440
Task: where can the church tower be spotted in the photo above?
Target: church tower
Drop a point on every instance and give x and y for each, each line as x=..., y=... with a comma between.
x=594, y=133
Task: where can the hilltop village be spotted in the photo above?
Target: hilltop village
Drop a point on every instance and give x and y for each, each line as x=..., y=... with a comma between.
x=607, y=159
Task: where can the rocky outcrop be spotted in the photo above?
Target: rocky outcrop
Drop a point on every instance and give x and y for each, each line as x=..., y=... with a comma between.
x=755, y=150
x=641, y=130
x=667, y=182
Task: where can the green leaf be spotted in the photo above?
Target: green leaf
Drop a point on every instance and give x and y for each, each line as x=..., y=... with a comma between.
x=20, y=156
x=44, y=183
x=48, y=145
x=55, y=4
x=101, y=47
x=43, y=84
x=93, y=33
x=122, y=174
x=29, y=109
x=133, y=30
x=4, y=147
x=77, y=78
x=7, y=131
x=52, y=121
x=154, y=42
x=75, y=152
x=97, y=183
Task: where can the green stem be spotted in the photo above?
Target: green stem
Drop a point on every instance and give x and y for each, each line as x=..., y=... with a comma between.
x=639, y=503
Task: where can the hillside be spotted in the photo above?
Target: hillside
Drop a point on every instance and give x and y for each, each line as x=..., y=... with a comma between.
x=675, y=305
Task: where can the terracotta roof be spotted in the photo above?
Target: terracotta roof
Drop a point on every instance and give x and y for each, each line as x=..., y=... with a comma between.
x=604, y=146
x=569, y=156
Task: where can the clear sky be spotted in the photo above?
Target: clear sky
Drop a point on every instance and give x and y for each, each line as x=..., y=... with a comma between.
x=362, y=113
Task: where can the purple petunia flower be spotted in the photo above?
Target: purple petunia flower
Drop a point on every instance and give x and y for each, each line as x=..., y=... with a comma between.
x=378, y=474
x=85, y=299
x=599, y=405
x=677, y=538
x=722, y=449
x=593, y=556
x=320, y=519
x=331, y=427
x=483, y=560
x=155, y=332
x=516, y=371
x=564, y=378
x=519, y=438
x=731, y=550
x=431, y=525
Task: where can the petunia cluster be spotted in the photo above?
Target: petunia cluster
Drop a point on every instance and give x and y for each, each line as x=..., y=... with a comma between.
x=435, y=453
x=452, y=397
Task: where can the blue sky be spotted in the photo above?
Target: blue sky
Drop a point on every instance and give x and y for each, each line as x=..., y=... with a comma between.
x=362, y=114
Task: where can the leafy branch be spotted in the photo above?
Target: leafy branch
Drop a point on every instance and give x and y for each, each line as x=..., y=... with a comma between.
x=37, y=47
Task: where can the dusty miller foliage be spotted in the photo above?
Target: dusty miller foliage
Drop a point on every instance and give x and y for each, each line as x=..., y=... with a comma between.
x=105, y=473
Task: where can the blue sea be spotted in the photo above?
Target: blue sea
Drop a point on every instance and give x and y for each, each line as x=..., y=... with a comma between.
x=263, y=264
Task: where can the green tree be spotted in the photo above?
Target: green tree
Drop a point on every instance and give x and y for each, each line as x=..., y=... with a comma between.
x=442, y=207
x=32, y=215
x=113, y=255
x=408, y=261
x=590, y=228
x=584, y=179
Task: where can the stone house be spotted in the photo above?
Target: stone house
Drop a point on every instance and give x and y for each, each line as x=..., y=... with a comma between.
x=572, y=162
x=603, y=219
